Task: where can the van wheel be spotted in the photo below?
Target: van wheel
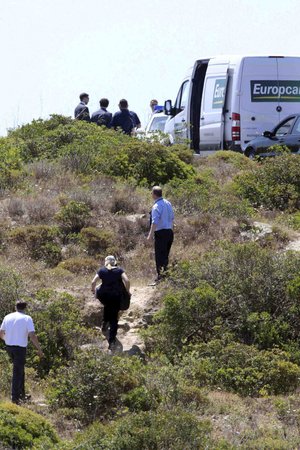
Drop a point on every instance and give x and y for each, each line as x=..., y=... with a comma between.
x=250, y=153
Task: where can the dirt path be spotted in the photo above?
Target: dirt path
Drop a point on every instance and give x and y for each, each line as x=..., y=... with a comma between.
x=294, y=244
x=135, y=318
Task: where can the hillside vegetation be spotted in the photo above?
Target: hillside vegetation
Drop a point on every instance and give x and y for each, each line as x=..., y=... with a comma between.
x=220, y=365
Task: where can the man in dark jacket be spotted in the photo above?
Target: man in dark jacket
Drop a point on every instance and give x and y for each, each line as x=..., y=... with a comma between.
x=123, y=119
x=82, y=111
x=102, y=116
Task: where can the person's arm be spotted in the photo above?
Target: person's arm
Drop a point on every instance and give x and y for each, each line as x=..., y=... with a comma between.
x=155, y=216
x=152, y=231
x=2, y=330
x=126, y=282
x=94, y=283
x=35, y=341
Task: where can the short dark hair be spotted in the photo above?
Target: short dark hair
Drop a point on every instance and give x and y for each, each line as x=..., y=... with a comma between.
x=104, y=102
x=83, y=95
x=157, y=191
x=153, y=101
x=123, y=103
x=21, y=305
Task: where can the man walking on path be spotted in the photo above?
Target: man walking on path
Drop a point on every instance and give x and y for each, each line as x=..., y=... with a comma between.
x=15, y=329
x=82, y=111
x=162, y=218
x=102, y=116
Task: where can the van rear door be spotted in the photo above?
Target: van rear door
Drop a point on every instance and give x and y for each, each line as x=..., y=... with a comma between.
x=259, y=101
x=212, y=107
x=289, y=86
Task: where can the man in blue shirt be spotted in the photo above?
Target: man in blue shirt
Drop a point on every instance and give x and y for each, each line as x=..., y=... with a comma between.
x=82, y=111
x=162, y=218
x=124, y=118
x=102, y=116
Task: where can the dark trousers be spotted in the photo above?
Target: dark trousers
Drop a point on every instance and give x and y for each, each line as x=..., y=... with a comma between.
x=18, y=358
x=163, y=240
x=111, y=313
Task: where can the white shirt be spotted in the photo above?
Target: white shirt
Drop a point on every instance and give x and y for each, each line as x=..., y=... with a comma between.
x=17, y=325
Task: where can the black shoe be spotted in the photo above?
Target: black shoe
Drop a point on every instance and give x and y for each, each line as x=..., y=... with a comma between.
x=105, y=327
x=25, y=398
x=112, y=345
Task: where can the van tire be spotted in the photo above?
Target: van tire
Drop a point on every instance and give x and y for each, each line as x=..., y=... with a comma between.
x=250, y=153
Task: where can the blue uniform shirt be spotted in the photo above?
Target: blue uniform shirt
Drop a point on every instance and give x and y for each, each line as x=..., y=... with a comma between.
x=123, y=119
x=162, y=215
x=102, y=117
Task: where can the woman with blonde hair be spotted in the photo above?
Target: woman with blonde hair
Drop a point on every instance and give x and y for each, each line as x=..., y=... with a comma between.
x=110, y=294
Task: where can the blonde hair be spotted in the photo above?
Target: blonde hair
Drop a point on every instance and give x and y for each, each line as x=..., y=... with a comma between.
x=110, y=262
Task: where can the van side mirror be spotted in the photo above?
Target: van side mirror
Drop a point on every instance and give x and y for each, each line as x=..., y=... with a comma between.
x=268, y=134
x=168, y=109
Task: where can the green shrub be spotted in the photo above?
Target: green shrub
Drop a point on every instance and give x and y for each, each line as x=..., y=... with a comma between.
x=275, y=184
x=187, y=315
x=73, y=217
x=5, y=371
x=80, y=264
x=161, y=430
x=94, y=383
x=241, y=368
x=203, y=194
x=97, y=240
x=249, y=280
x=237, y=160
x=11, y=287
x=21, y=428
x=60, y=330
x=11, y=167
x=41, y=241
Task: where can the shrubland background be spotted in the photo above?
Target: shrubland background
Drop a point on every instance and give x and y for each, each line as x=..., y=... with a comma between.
x=221, y=368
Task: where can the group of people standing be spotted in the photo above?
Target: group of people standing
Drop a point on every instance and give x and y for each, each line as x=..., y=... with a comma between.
x=16, y=327
x=124, y=119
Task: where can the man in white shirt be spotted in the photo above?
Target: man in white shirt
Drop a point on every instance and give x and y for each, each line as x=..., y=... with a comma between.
x=14, y=330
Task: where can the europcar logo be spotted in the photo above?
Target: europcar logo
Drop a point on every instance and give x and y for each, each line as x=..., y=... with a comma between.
x=219, y=93
x=274, y=91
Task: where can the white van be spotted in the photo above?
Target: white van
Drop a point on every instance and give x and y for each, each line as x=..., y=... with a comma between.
x=225, y=102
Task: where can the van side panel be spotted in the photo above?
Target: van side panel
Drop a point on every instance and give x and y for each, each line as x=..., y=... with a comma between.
x=256, y=114
x=212, y=107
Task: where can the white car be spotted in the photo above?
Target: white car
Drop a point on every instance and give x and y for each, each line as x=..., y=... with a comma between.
x=156, y=123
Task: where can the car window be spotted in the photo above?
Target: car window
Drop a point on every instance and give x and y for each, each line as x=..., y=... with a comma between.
x=296, y=129
x=158, y=124
x=285, y=127
x=182, y=97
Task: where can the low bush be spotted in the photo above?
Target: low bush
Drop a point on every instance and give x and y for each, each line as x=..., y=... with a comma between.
x=249, y=280
x=11, y=287
x=96, y=240
x=187, y=315
x=237, y=160
x=21, y=428
x=42, y=242
x=16, y=207
x=94, y=383
x=40, y=209
x=275, y=184
x=162, y=430
x=11, y=167
x=241, y=368
x=6, y=373
x=73, y=217
x=203, y=194
x=60, y=330
x=80, y=264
